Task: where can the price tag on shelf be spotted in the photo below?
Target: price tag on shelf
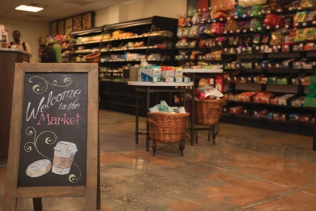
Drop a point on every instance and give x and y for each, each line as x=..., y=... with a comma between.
x=237, y=65
x=299, y=8
x=286, y=26
x=209, y=21
x=279, y=46
x=236, y=17
x=301, y=45
x=251, y=29
x=238, y=30
x=243, y=48
x=244, y=15
x=268, y=27
x=268, y=11
x=257, y=47
x=290, y=8
x=251, y=15
x=274, y=47
x=269, y=65
x=225, y=32
x=304, y=24
x=228, y=18
x=221, y=19
x=242, y=78
x=249, y=78
x=245, y=30
x=226, y=49
x=243, y=64
x=314, y=22
x=259, y=13
x=277, y=26
x=277, y=65
x=259, y=28
x=279, y=10
x=296, y=24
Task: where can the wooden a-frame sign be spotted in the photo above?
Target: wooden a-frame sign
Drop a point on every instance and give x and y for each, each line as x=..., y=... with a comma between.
x=53, y=149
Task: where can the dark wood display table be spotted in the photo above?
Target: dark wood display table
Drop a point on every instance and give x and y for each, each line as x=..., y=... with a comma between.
x=7, y=66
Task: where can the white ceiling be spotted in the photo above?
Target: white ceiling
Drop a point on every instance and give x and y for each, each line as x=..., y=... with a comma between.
x=54, y=9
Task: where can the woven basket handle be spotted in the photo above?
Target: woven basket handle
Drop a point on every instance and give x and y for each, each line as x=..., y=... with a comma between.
x=218, y=108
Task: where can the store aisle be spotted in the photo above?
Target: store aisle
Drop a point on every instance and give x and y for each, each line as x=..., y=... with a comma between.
x=247, y=169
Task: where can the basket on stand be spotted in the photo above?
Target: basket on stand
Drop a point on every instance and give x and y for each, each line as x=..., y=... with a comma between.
x=167, y=127
x=207, y=112
x=93, y=57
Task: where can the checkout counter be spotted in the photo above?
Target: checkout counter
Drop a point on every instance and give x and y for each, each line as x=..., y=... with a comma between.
x=8, y=58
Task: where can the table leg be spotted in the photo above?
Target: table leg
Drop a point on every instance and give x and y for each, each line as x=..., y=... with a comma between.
x=314, y=138
x=136, y=130
x=147, y=126
x=192, y=111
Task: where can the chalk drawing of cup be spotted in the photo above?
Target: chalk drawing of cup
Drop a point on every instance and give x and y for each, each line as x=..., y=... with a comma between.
x=64, y=153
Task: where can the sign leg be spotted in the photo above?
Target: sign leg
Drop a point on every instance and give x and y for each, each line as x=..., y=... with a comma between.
x=37, y=204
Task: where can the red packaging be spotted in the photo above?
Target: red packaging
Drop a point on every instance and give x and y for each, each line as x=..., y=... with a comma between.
x=273, y=20
x=236, y=109
x=217, y=28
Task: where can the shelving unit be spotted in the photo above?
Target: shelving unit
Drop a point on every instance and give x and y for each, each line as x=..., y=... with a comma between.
x=151, y=38
x=87, y=41
x=122, y=46
x=257, y=51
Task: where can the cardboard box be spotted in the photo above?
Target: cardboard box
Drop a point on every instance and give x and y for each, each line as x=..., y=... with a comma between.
x=297, y=102
x=283, y=100
x=236, y=109
x=305, y=118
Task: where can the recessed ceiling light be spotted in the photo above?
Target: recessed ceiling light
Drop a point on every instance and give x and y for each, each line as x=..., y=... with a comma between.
x=29, y=8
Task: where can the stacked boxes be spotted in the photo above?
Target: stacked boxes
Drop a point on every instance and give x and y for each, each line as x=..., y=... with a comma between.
x=162, y=73
x=150, y=74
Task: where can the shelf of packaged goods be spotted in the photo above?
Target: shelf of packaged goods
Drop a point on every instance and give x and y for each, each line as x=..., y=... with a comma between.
x=268, y=105
x=137, y=37
x=141, y=83
x=282, y=85
x=136, y=48
x=87, y=43
x=80, y=52
x=268, y=120
x=202, y=70
x=135, y=60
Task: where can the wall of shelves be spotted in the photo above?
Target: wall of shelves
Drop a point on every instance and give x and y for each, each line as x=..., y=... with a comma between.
x=123, y=45
x=237, y=47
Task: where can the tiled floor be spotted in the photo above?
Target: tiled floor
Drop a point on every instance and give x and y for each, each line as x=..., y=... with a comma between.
x=247, y=169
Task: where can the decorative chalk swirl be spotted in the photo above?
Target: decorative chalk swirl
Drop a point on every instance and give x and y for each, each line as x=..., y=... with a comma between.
x=73, y=178
x=42, y=85
x=49, y=138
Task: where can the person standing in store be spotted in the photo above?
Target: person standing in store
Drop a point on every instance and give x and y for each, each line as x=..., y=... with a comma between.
x=57, y=48
x=18, y=44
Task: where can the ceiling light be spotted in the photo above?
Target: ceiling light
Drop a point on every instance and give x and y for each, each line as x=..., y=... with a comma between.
x=29, y=8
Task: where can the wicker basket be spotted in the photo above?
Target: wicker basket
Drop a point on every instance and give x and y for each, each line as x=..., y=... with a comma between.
x=93, y=57
x=207, y=112
x=166, y=127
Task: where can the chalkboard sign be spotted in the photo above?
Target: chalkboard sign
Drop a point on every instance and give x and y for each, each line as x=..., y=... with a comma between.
x=53, y=148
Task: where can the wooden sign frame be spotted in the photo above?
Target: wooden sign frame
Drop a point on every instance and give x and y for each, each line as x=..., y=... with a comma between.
x=91, y=189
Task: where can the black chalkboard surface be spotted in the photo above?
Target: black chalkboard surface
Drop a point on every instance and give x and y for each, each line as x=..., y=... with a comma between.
x=54, y=130
x=54, y=136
